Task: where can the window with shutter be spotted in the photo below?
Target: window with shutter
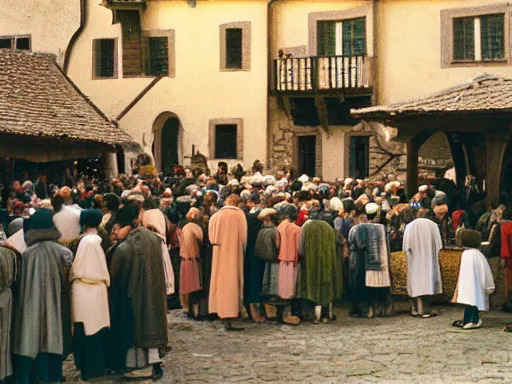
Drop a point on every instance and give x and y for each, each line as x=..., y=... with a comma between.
x=132, y=41
x=234, y=39
x=464, y=38
x=158, y=56
x=354, y=37
x=493, y=37
x=225, y=141
x=105, y=58
x=326, y=38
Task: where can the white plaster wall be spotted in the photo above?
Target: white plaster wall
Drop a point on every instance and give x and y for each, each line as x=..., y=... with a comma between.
x=333, y=153
x=200, y=91
x=410, y=49
x=51, y=23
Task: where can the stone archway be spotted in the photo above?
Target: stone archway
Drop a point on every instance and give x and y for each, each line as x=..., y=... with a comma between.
x=167, y=143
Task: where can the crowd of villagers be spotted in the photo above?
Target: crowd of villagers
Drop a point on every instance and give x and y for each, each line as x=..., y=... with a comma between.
x=92, y=267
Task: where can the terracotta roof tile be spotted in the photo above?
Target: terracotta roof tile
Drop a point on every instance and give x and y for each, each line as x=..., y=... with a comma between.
x=486, y=93
x=37, y=99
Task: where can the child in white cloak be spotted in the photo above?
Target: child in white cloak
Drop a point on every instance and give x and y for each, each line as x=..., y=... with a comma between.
x=475, y=282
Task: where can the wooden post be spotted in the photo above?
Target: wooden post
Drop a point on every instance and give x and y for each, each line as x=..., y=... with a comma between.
x=111, y=169
x=412, y=167
x=496, y=145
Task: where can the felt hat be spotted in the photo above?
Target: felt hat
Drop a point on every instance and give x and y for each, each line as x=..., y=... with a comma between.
x=269, y=180
x=371, y=208
x=266, y=212
x=423, y=188
x=349, y=204
x=296, y=185
x=42, y=219
x=91, y=218
x=126, y=215
x=15, y=226
x=336, y=204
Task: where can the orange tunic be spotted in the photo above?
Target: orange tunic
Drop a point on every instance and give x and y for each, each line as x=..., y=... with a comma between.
x=191, y=237
x=228, y=235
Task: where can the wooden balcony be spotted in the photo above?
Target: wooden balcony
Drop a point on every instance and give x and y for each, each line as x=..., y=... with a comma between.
x=322, y=74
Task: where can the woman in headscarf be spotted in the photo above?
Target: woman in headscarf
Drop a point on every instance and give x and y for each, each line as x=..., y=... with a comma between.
x=90, y=279
x=191, y=239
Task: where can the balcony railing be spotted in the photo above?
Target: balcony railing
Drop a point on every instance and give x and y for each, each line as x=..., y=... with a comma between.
x=321, y=73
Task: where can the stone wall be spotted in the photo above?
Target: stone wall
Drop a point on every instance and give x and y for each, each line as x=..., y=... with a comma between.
x=387, y=155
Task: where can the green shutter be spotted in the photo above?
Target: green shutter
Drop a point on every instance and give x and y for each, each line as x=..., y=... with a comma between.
x=354, y=37
x=326, y=38
x=464, y=38
x=158, y=56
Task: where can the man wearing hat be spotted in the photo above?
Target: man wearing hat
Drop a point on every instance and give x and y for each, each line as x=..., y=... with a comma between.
x=42, y=329
x=137, y=298
x=368, y=275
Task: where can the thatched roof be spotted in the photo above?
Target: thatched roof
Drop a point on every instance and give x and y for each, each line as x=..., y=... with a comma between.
x=484, y=94
x=38, y=100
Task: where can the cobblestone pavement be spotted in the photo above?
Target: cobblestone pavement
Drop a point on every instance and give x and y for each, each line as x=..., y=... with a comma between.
x=399, y=349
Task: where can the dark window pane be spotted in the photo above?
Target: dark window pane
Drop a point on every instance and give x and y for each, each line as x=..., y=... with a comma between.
x=158, y=56
x=23, y=43
x=354, y=37
x=225, y=141
x=234, y=48
x=464, y=38
x=6, y=43
x=360, y=156
x=307, y=155
x=326, y=38
x=493, y=37
x=105, y=58
x=338, y=112
x=304, y=111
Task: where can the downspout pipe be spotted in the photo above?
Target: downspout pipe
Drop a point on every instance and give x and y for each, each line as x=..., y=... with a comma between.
x=270, y=29
x=72, y=41
x=375, y=64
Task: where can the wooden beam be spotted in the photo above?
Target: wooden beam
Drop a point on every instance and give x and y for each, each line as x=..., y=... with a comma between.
x=412, y=168
x=323, y=114
x=495, y=147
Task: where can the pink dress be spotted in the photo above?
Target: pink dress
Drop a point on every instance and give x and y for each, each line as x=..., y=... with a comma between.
x=288, y=236
x=191, y=238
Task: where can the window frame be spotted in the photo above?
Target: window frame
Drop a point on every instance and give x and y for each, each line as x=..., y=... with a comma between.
x=226, y=138
x=341, y=15
x=448, y=17
x=14, y=41
x=116, y=59
x=171, y=51
x=239, y=136
x=245, y=26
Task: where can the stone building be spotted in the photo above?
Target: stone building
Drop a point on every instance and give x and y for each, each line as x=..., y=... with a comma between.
x=328, y=57
x=178, y=74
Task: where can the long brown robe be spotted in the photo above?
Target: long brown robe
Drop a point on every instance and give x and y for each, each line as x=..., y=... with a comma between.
x=228, y=236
